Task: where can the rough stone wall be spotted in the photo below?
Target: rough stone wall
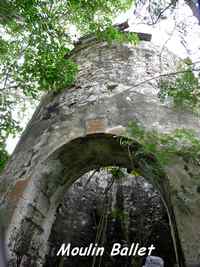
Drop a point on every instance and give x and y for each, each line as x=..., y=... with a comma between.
x=74, y=132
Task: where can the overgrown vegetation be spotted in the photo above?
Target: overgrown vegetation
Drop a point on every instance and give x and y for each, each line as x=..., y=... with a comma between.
x=164, y=146
x=116, y=172
x=35, y=36
x=184, y=90
x=111, y=34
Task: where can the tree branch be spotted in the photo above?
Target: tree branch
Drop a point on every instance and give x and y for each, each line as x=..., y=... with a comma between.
x=162, y=12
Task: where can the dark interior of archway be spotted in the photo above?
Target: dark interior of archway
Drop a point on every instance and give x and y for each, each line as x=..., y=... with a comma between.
x=110, y=206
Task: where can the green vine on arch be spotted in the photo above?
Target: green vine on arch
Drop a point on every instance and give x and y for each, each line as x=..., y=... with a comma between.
x=165, y=146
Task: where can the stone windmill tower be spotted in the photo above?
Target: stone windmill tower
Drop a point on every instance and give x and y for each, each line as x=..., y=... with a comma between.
x=76, y=131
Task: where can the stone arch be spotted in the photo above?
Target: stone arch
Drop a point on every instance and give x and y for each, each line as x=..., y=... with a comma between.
x=32, y=220
x=116, y=84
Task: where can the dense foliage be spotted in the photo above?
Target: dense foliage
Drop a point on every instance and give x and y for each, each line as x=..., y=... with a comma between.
x=35, y=36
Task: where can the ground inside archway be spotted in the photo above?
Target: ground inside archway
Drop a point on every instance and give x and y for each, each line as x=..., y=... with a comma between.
x=110, y=206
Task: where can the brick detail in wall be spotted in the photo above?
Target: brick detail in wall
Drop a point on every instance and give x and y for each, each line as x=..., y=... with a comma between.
x=95, y=125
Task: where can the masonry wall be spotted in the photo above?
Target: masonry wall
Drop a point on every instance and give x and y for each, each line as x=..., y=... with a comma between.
x=116, y=84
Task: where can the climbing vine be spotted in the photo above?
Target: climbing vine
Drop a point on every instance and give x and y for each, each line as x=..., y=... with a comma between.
x=164, y=146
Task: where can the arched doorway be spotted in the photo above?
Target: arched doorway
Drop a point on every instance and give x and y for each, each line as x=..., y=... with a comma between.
x=33, y=219
x=109, y=206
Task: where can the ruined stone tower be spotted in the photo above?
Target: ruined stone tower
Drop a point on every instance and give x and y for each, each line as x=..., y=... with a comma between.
x=76, y=131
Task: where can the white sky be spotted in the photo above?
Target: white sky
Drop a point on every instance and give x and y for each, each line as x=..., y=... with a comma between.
x=180, y=33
